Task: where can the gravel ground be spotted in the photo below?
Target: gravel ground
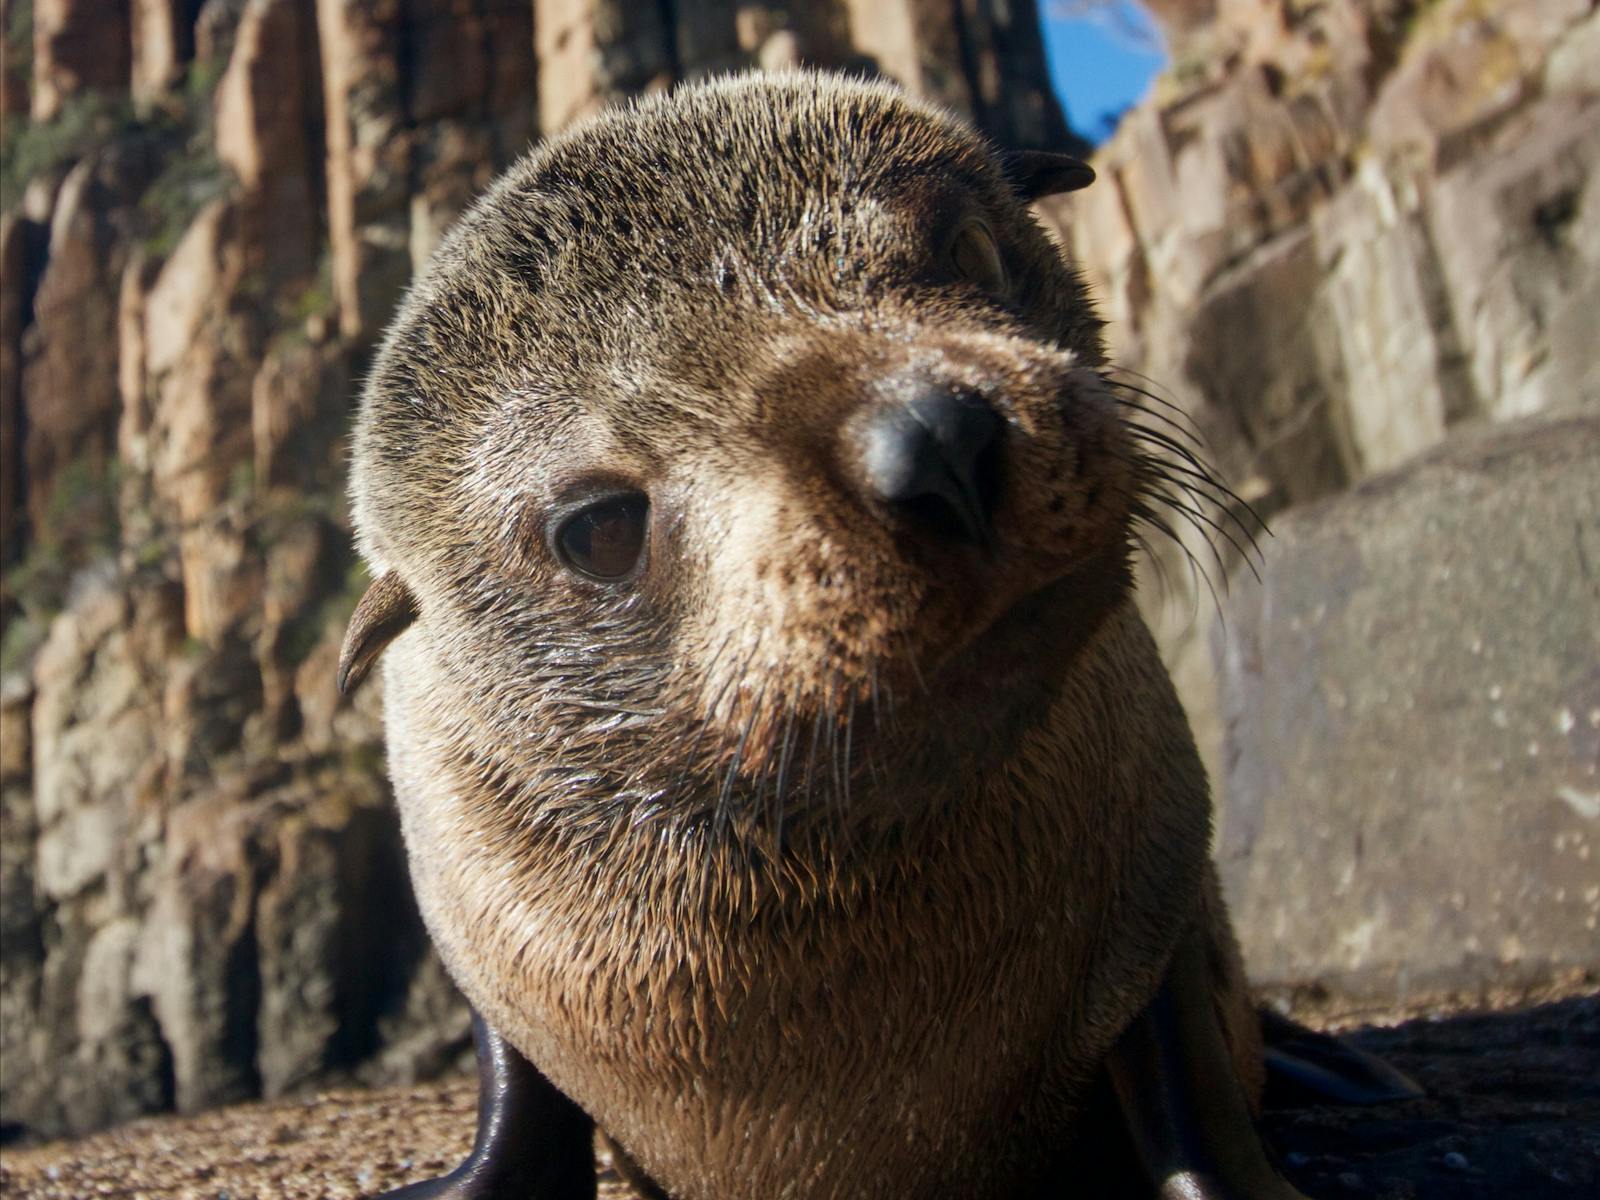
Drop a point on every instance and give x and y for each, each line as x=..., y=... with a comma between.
x=1513, y=1110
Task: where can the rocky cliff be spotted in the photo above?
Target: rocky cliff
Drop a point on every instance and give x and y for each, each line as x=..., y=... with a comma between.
x=1340, y=234
x=1340, y=229
x=210, y=209
x=1335, y=231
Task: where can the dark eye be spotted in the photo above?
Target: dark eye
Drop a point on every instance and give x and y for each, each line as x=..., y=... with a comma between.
x=976, y=256
x=606, y=539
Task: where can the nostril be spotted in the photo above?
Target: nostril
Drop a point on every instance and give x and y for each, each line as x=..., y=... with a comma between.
x=936, y=456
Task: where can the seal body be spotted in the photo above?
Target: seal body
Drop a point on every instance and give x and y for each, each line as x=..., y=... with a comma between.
x=783, y=765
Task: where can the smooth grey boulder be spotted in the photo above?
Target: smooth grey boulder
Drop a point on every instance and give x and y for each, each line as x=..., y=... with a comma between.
x=1411, y=797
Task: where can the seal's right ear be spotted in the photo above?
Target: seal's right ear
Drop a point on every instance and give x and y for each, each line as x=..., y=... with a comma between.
x=1039, y=173
x=383, y=614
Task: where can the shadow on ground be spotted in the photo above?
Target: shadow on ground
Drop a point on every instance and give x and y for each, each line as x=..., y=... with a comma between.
x=1513, y=1110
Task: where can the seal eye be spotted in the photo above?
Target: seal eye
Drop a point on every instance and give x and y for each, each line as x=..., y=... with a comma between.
x=976, y=256
x=606, y=539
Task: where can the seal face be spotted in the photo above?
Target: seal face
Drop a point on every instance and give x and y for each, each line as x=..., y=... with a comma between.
x=783, y=767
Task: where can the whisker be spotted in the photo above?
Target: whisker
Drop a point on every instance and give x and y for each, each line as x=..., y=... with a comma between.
x=691, y=757
x=1170, y=422
x=849, y=735
x=781, y=793
x=916, y=667
x=1149, y=394
x=1202, y=474
x=1175, y=475
x=1152, y=519
x=833, y=743
x=811, y=758
x=1195, y=514
x=719, y=822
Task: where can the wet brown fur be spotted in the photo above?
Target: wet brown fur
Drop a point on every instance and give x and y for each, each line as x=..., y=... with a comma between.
x=826, y=858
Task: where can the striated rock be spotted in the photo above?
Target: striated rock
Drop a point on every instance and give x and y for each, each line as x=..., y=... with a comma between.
x=198, y=960
x=1517, y=232
x=21, y=930
x=1413, y=726
x=141, y=527
x=95, y=730
x=265, y=116
x=90, y=232
x=1349, y=232
x=92, y=742
x=468, y=122
x=200, y=341
x=990, y=63
x=368, y=157
x=298, y=400
x=592, y=51
x=78, y=46
x=162, y=42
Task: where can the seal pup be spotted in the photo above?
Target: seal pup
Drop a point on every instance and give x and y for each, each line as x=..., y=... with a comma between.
x=787, y=777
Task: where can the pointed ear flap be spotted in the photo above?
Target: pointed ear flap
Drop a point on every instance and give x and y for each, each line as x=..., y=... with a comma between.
x=1039, y=173
x=383, y=614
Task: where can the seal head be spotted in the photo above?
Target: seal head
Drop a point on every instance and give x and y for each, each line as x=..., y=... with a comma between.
x=783, y=766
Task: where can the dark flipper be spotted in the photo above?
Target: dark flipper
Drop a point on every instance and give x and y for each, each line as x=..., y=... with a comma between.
x=533, y=1143
x=1307, y=1067
x=1185, y=1112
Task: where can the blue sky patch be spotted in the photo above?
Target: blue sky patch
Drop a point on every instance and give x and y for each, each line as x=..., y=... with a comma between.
x=1102, y=56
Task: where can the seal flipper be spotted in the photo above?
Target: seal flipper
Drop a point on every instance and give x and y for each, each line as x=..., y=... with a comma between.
x=1307, y=1067
x=533, y=1143
x=1182, y=1105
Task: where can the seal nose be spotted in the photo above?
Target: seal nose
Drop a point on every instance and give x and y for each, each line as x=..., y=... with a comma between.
x=936, y=456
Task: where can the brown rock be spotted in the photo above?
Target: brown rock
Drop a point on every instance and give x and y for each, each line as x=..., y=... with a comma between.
x=95, y=726
x=69, y=383
x=1413, y=704
x=1340, y=234
x=78, y=46
x=263, y=123
x=79, y=1046
x=196, y=955
x=1517, y=231
x=589, y=51
x=294, y=381
x=16, y=54
x=450, y=61
x=454, y=162
x=368, y=159
x=512, y=93
x=162, y=45
x=198, y=352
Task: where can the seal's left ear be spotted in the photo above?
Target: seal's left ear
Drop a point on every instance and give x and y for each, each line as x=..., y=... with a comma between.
x=1039, y=173
x=383, y=614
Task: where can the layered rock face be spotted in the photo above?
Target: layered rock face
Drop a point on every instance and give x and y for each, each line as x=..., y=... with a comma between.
x=210, y=209
x=1341, y=234
x=1338, y=230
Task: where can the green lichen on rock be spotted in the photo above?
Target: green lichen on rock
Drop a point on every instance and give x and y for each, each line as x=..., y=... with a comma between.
x=85, y=124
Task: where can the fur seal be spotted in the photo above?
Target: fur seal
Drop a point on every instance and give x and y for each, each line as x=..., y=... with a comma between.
x=787, y=777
